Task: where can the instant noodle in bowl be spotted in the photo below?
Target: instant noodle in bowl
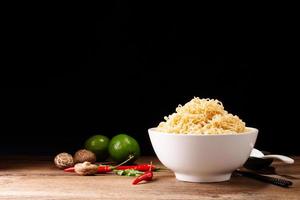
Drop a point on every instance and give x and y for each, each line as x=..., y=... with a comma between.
x=202, y=142
x=202, y=116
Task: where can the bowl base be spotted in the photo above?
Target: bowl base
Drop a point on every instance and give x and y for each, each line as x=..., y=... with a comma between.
x=203, y=179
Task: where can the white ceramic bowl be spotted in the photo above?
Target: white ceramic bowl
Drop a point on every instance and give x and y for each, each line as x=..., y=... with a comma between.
x=203, y=158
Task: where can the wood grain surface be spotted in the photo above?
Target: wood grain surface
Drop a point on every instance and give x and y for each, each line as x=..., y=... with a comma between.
x=38, y=178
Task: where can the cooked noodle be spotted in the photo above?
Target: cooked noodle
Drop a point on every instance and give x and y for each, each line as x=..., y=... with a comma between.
x=202, y=116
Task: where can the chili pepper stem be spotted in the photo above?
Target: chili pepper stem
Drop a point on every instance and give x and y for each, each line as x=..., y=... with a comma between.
x=150, y=166
x=160, y=168
x=130, y=157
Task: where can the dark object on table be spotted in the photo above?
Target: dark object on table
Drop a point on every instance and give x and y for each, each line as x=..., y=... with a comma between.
x=266, y=179
x=254, y=163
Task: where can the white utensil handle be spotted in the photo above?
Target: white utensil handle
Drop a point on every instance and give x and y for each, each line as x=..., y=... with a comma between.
x=284, y=159
x=256, y=153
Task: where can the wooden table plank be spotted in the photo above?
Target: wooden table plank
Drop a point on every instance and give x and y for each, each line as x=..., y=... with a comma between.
x=37, y=178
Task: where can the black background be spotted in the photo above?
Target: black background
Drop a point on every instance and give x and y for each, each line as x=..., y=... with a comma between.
x=122, y=66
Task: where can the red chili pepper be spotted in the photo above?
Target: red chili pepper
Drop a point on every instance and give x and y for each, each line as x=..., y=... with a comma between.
x=140, y=167
x=102, y=168
x=70, y=169
x=107, y=168
x=147, y=176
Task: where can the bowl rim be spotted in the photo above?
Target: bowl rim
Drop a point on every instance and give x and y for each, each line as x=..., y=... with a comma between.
x=249, y=131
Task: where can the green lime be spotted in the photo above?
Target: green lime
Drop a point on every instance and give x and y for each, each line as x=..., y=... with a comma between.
x=98, y=144
x=122, y=146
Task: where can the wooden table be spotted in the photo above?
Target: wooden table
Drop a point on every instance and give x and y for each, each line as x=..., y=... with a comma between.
x=37, y=178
